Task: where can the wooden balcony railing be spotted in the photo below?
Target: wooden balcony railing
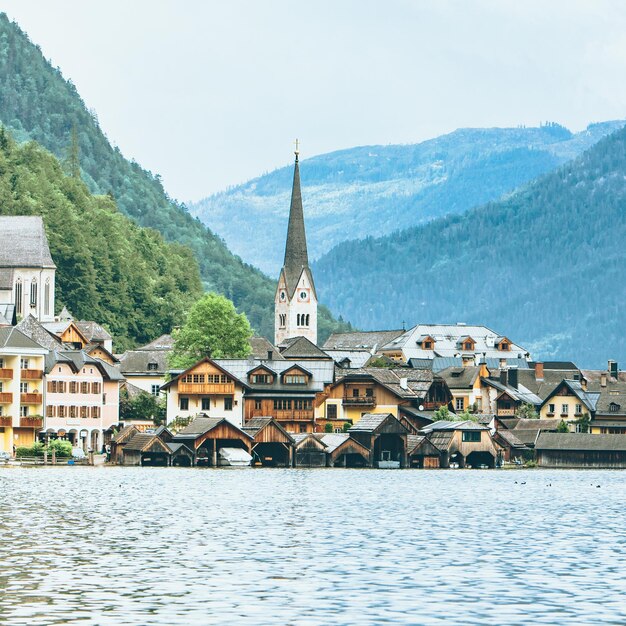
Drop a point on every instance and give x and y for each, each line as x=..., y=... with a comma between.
x=433, y=406
x=359, y=400
x=506, y=412
x=31, y=398
x=31, y=374
x=33, y=421
x=6, y=397
x=6, y=420
x=294, y=414
x=6, y=374
x=206, y=389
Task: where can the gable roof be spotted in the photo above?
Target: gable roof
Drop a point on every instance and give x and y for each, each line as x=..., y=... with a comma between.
x=164, y=342
x=403, y=382
x=24, y=242
x=371, y=422
x=261, y=347
x=301, y=347
x=136, y=361
x=11, y=337
x=589, y=399
x=257, y=424
x=581, y=442
x=202, y=425
x=93, y=331
x=206, y=359
x=369, y=339
x=141, y=441
x=31, y=327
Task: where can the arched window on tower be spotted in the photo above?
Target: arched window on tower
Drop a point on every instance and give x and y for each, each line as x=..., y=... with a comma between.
x=33, y=293
x=18, y=296
x=298, y=319
x=282, y=320
x=46, y=298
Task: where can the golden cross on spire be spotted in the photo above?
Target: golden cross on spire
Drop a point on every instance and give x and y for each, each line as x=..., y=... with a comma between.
x=297, y=150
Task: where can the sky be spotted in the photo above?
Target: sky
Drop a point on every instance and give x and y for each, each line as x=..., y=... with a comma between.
x=210, y=94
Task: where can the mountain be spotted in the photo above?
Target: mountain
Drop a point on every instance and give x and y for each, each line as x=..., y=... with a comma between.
x=545, y=265
x=37, y=103
x=353, y=193
x=108, y=268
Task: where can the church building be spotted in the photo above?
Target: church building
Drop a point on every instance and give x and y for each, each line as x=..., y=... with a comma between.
x=295, y=302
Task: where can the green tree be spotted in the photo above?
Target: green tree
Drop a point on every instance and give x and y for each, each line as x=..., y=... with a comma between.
x=72, y=162
x=562, y=427
x=213, y=329
x=328, y=427
x=526, y=411
x=142, y=406
x=441, y=414
x=583, y=423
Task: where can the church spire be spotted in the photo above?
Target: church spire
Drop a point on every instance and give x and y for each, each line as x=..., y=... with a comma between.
x=296, y=255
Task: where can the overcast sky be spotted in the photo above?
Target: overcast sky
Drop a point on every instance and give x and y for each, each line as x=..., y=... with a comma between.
x=209, y=94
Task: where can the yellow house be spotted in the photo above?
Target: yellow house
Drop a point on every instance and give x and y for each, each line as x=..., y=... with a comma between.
x=21, y=389
x=377, y=390
x=467, y=387
x=571, y=402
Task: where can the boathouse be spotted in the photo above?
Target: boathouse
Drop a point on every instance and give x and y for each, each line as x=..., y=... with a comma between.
x=422, y=453
x=146, y=449
x=272, y=445
x=310, y=451
x=120, y=440
x=384, y=436
x=206, y=436
x=581, y=450
x=342, y=450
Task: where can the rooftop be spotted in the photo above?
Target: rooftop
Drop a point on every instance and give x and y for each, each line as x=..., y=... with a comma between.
x=24, y=242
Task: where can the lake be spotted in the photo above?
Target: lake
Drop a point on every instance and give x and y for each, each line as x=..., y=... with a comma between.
x=171, y=546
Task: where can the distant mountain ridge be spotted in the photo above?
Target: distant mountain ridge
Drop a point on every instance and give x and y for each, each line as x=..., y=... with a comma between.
x=545, y=266
x=375, y=190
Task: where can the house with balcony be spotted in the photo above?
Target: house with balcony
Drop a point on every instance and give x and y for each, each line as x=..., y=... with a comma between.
x=571, y=402
x=206, y=388
x=282, y=389
x=356, y=392
x=21, y=388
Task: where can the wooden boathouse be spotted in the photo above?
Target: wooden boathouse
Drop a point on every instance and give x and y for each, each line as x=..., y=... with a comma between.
x=342, y=450
x=272, y=445
x=384, y=436
x=581, y=450
x=119, y=442
x=310, y=450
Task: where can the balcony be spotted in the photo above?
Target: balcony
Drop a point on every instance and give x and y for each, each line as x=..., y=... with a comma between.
x=6, y=420
x=31, y=374
x=359, y=400
x=206, y=389
x=32, y=421
x=31, y=398
x=6, y=374
x=294, y=415
x=6, y=398
x=506, y=412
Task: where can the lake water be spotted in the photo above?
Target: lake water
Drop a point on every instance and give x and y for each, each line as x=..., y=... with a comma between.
x=268, y=546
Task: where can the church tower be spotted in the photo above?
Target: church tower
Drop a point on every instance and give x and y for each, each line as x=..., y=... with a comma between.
x=295, y=303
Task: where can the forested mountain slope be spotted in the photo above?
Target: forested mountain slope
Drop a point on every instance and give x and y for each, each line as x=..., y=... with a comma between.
x=108, y=268
x=546, y=266
x=368, y=190
x=36, y=102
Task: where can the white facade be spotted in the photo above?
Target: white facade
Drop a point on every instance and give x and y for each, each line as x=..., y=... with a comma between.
x=31, y=291
x=295, y=316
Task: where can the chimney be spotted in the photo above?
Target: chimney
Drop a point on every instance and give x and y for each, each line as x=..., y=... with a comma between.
x=538, y=371
x=613, y=369
x=404, y=383
x=502, y=363
x=513, y=378
x=583, y=383
x=603, y=377
x=504, y=377
x=270, y=355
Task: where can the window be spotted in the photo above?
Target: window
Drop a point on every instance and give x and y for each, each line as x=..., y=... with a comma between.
x=355, y=393
x=579, y=409
x=564, y=409
x=282, y=405
x=62, y=411
x=46, y=298
x=24, y=363
x=228, y=403
x=33, y=293
x=23, y=387
x=23, y=411
x=1, y=363
x=73, y=386
x=613, y=407
x=95, y=388
x=303, y=405
x=18, y=296
x=198, y=379
x=295, y=379
x=468, y=345
x=369, y=392
x=551, y=408
x=258, y=405
x=84, y=411
x=155, y=390
x=184, y=404
x=331, y=411
x=460, y=404
x=261, y=379
x=428, y=345
x=206, y=404
x=95, y=411
x=84, y=387
x=338, y=430
x=153, y=366
x=282, y=318
x=72, y=411
x=0, y=386
x=471, y=436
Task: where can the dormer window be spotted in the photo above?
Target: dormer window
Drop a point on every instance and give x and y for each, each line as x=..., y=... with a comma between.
x=153, y=366
x=295, y=379
x=261, y=379
x=468, y=345
x=614, y=407
x=427, y=345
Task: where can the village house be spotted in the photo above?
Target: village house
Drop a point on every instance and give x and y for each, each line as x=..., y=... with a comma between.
x=610, y=413
x=282, y=389
x=27, y=271
x=578, y=450
x=21, y=389
x=378, y=390
x=572, y=402
x=470, y=343
x=206, y=389
x=467, y=387
x=146, y=367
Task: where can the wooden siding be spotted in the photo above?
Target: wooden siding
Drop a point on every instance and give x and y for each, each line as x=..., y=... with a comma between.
x=271, y=434
x=598, y=459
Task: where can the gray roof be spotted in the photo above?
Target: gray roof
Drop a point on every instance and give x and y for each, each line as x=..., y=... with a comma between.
x=7, y=314
x=164, y=342
x=93, y=331
x=37, y=332
x=11, y=337
x=301, y=347
x=201, y=425
x=452, y=426
x=77, y=359
x=588, y=398
x=613, y=393
x=581, y=441
x=519, y=393
x=333, y=440
x=140, y=441
x=370, y=422
x=369, y=339
x=460, y=377
x=418, y=382
x=262, y=346
x=358, y=357
x=175, y=447
x=136, y=362
x=24, y=242
x=6, y=279
x=511, y=438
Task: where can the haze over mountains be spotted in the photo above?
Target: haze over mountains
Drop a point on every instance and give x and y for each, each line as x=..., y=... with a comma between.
x=545, y=265
x=376, y=190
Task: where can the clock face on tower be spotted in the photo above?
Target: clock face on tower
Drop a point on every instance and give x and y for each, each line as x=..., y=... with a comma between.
x=303, y=296
x=283, y=295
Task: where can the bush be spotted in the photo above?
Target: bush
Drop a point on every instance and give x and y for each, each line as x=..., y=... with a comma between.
x=328, y=428
x=61, y=447
x=36, y=449
x=346, y=427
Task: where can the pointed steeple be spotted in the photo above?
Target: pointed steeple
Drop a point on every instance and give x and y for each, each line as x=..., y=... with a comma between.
x=296, y=255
